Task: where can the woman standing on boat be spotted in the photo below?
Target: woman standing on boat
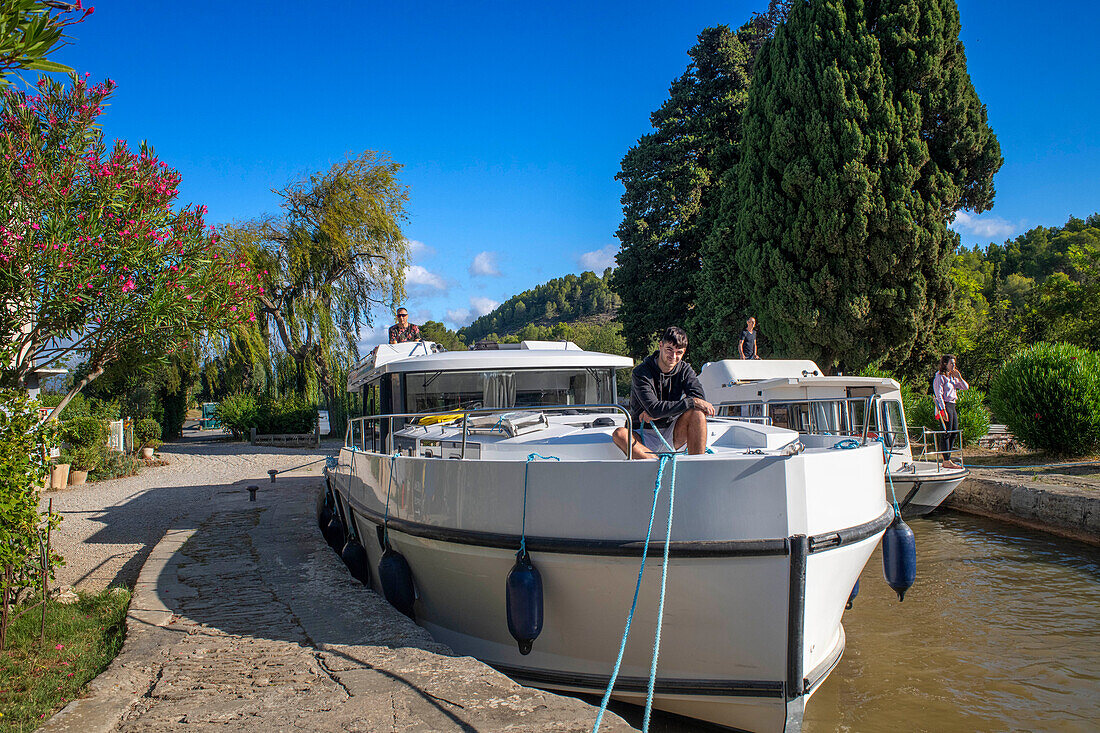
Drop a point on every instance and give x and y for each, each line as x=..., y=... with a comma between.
x=946, y=385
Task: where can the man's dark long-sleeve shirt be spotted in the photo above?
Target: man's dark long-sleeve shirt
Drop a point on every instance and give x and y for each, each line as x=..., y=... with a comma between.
x=664, y=396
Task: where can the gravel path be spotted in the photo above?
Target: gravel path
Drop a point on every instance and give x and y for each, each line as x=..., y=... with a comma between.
x=109, y=527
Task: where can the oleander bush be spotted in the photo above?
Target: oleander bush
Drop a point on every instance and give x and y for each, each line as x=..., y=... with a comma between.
x=87, y=457
x=1049, y=397
x=83, y=431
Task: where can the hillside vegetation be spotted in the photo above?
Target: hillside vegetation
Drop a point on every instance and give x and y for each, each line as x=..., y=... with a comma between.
x=586, y=298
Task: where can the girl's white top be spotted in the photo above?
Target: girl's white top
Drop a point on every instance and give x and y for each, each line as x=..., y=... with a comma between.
x=945, y=389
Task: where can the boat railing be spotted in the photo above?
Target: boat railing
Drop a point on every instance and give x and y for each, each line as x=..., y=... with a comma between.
x=933, y=438
x=464, y=414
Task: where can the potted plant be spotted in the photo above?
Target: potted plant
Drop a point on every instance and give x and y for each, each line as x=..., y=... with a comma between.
x=147, y=436
x=84, y=459
x=59, y=472
x=87, y=441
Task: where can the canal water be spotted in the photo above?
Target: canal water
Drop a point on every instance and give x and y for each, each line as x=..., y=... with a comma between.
x=1001, y=632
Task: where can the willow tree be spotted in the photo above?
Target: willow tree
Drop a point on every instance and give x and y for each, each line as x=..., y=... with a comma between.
x=671, y=179
x=862, y=137
x=336, y=252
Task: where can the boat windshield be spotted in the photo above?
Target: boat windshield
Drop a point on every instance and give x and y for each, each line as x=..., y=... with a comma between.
x=438, y=391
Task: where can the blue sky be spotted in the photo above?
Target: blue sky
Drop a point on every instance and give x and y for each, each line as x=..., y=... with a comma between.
x=511, y=120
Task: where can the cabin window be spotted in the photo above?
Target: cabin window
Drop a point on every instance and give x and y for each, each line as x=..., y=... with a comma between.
x=752, y=411
x=894, y=422
x=439, y=391
x=780, y=416
x=828, y=418
x=858, y=410
x=798, y=416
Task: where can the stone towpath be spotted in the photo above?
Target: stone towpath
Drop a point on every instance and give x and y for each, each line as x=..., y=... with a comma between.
x=245, y=620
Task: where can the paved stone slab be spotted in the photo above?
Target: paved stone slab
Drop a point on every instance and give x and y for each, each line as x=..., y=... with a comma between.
x=1068, y=511
x=249, y=622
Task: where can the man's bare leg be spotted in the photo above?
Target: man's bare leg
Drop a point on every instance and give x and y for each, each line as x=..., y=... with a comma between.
x=691, y=428
x=639, y=449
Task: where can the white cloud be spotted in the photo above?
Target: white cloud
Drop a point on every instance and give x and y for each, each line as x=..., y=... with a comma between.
x=485, y=265
x=479, y=306
x=418, y=250
x=421, y=278
x=483, y=305
x=982, y=226
x=371, y=335
x=458, y=316
x=598, y=260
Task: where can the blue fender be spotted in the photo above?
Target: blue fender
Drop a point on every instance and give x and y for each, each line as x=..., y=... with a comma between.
x=395, y=577
x=899, y=556
x=524, y=602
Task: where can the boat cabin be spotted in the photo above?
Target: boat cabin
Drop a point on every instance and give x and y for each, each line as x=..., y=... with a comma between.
x=794, y=394
x=422, y=377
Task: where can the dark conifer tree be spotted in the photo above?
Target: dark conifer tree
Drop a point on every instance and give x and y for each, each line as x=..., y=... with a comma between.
x=671, y=179
x=862, y=137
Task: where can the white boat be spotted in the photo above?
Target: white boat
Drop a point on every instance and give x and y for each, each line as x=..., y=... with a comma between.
x=770, y=532
x=793, y=393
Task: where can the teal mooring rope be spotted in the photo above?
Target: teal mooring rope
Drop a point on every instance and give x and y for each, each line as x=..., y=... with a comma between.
x=663, y=458
x=386, y=520
x=523, y=525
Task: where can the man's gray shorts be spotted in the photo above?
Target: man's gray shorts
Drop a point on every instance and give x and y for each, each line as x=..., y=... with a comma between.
x=653, y=442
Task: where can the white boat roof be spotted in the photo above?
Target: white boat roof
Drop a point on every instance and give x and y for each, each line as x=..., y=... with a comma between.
x=720, y=386
x=734, y=371
x=426, y=356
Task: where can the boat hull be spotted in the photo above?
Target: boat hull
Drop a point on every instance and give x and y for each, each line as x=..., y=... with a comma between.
x=760, y=568
x=921, y=492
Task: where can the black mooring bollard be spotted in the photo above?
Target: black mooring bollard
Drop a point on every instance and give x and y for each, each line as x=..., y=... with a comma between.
x=252, y=492
x=271, y=473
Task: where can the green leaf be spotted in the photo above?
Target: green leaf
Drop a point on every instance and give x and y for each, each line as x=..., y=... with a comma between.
x=50, y=66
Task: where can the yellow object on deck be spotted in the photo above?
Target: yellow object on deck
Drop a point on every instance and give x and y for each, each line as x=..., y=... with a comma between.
x=438, y=419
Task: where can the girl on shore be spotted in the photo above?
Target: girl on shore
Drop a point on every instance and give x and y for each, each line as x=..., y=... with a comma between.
x=946, y=385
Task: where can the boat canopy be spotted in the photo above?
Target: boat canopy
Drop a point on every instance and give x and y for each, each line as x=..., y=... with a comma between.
x=736, y=371
x=426, y=356
x=721, y=386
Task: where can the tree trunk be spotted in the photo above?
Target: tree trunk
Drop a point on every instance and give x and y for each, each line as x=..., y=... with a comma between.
x=92, y=375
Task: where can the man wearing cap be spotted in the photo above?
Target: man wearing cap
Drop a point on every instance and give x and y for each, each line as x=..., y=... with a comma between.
x=403, y=330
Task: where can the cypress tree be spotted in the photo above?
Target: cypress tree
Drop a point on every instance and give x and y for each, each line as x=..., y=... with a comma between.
x=671, y=179
x=926, y=68
x=862, y=136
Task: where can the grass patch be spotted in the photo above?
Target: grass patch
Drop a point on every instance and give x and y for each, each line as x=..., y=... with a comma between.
x=81, y=640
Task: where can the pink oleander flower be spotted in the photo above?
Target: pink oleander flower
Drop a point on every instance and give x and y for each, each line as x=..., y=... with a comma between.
x=128, y=286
